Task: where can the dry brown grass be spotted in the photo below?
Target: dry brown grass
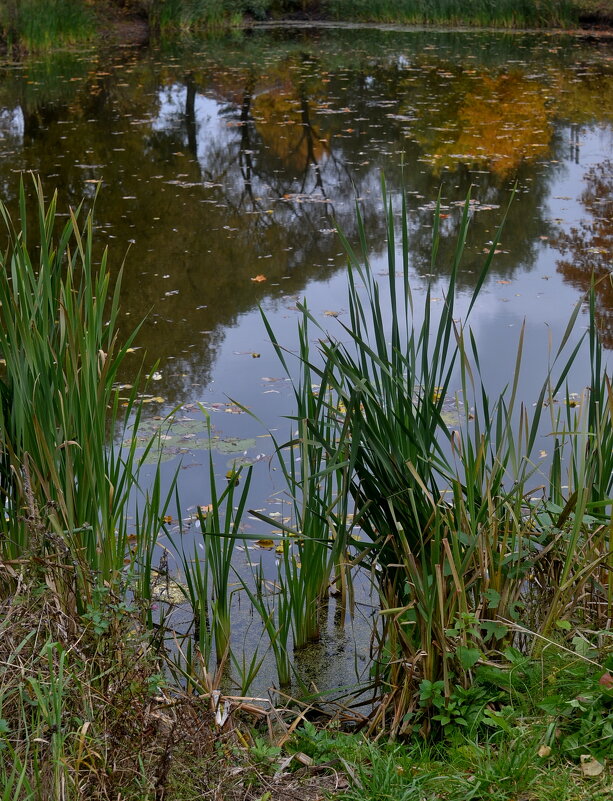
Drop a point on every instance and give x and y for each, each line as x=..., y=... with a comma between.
x=90, y=718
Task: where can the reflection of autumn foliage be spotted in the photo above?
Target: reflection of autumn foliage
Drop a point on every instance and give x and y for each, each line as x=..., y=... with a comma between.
x=584, y=98
x=587, y=249
x=502, y=121
x=281, y=125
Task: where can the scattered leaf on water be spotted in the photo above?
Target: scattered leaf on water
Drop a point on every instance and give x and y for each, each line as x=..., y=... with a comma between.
x=259, y=278
x=233, y=476
x=265, y=543
x=170, y=592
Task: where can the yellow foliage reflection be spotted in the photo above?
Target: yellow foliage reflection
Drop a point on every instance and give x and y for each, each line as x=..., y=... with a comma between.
x=284, y=121
x=502, y=121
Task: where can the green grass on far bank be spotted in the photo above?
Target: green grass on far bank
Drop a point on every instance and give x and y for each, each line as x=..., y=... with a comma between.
x=185, y=14
x=44, y=24
x=501, y=13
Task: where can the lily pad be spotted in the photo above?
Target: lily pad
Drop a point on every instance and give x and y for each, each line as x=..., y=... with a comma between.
x=185, y=436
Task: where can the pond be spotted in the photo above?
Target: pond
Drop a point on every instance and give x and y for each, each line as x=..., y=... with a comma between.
x=223, y=165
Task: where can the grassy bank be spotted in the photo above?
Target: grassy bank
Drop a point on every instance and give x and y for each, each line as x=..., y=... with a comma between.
x=183, y=14
x=44, y=24
x=491, y=569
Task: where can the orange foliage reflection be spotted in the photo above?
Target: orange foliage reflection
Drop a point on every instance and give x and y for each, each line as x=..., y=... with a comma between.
x=502, y=121
x=283, y=121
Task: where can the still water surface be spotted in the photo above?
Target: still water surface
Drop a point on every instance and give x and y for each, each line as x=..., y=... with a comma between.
x=227, y=162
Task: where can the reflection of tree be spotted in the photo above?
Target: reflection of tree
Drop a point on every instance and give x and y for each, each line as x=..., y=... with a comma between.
x=496, y=120
x=191, y=126
x=216, y=160
x=588, y=248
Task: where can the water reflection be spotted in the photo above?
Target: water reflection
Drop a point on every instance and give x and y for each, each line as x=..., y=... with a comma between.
x=233, y=159
x=586, y=249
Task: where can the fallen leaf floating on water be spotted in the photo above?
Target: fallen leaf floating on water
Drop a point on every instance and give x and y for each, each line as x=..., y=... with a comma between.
x=265, y=543
x=259, y=278
x=233, y=476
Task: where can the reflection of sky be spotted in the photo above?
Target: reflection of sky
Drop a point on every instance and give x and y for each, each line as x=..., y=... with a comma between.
x=523, y=284
x=537, y=297
x=12, y=124
x=534, y=293
x=584, y=147
x=171, y=117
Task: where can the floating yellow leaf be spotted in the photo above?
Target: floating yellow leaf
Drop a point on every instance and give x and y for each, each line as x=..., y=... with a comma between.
x=265, y=543
x=259, y=278
x=233, y=476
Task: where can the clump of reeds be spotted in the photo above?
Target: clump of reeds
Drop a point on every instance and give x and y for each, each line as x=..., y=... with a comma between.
x=42, y=24
x=67, y=492
x=502, y=13
x=192, y=15
x=77, y=532
x=455, y=535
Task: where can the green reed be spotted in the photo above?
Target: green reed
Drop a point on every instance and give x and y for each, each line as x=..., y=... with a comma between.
x=271, y=600
x=454, y=533
x=190, y=15
x=503, y=13
x=43, y=24
x=315, y=557
x=59, y=339
x=208, y=568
